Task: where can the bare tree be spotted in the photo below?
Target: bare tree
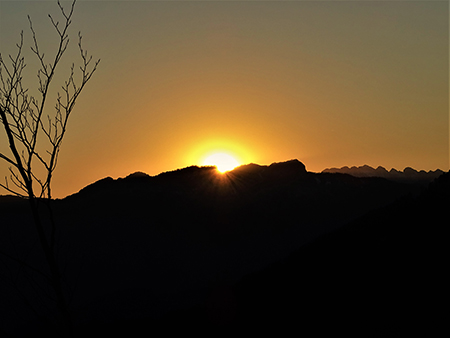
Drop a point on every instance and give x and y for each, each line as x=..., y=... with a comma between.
x=34, y=133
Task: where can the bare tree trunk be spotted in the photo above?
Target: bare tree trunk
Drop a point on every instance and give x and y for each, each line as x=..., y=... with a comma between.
x=55, y=273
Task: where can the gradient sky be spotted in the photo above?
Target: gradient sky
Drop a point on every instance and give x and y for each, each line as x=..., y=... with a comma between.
x=331, y=83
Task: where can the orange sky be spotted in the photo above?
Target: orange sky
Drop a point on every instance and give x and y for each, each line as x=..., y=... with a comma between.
x=331, y=83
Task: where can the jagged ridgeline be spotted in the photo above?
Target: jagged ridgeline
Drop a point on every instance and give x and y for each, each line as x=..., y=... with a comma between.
x=407, y=175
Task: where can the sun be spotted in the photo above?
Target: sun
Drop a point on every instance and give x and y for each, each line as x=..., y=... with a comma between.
x=223, y=162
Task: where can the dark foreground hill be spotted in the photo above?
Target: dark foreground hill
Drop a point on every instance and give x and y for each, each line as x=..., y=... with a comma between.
x=189, y=248
x=382, y=273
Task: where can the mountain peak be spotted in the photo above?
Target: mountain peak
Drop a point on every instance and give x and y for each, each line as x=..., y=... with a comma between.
x=291, y=164
x=137, y=174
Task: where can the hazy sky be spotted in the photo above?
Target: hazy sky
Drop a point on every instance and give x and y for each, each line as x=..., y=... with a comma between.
x=331, y=83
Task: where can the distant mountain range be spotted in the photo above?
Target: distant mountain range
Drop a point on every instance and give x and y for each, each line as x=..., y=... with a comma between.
x=149, y=249
x=408, y=174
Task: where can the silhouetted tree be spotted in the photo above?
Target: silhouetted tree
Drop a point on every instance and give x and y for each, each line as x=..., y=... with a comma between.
x=34, y=135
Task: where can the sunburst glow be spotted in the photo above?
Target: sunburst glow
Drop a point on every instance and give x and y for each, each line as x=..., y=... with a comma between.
x=223, y=162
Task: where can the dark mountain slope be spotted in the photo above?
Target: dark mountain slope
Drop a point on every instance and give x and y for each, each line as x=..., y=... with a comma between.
x=140, y=246
x=382, y=273
x=203, y=204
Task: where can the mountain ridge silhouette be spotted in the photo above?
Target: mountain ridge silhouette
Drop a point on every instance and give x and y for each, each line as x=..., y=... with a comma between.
x=408, y=173
x=152, y=244
x=288, y=168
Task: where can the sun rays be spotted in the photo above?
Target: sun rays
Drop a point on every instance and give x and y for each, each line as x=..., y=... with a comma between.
x=222, y=161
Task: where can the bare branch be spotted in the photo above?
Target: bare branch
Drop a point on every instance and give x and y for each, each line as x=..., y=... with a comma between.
x=25, y=264
x=17, y=181
x=7, y=159
x=6, y=187
x=40, y=56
